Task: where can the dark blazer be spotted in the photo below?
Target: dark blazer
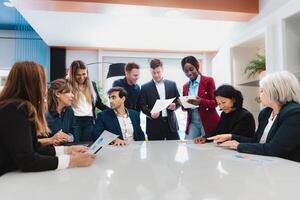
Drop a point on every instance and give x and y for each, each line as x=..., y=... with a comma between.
x=207, y=108
x=148, y=97
x=107, y=120
x=284, y=136
x=65, y=121
x=133, y=91
x=238, y=122
x=98, y=103
x=19, y=148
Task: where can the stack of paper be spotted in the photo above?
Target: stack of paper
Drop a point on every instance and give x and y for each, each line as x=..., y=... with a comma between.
x=161, y=105
x=104, y=139
x=184, y=102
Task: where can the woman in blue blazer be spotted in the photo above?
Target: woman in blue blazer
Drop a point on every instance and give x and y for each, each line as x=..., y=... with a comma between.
x=278, y=132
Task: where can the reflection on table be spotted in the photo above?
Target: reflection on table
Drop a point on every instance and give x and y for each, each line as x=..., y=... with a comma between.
x=162, y=170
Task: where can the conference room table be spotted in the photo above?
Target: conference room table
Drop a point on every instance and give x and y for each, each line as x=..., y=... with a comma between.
x=162, y=170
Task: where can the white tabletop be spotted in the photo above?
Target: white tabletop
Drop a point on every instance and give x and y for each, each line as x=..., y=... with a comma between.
x=162, y=170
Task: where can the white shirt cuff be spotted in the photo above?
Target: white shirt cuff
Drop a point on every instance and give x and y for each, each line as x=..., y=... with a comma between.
x=63, y=162
x=59, y=150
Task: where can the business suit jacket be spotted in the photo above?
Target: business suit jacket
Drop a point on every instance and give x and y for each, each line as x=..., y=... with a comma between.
x=107, y=120
x=148, y=97
x=207, y=108
x=19, y=147
x=284, y=136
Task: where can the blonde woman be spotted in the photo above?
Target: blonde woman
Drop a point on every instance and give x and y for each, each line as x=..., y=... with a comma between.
x=22, y=119
x=278, y=132
x=86, y=99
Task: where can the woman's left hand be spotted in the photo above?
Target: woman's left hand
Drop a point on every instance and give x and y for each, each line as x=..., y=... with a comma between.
x=232, y=144
x=195, y=102
x=75, y=149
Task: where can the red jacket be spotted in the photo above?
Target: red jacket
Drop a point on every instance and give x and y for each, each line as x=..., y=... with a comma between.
x=207, y=107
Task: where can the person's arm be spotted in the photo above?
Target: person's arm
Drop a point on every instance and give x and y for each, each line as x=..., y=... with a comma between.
x=99, y=126
x=176, y=101
x=285, y=140
x=210, y=89
x=116, y=83
x=20, y=145
x=99, y=104
x=75, y=128
x=140, y=135
x=144, y=102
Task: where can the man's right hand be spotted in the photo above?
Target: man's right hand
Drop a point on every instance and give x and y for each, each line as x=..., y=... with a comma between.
x=155, y=115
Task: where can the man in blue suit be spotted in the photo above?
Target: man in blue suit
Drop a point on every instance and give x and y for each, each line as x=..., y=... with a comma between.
x=119, y=120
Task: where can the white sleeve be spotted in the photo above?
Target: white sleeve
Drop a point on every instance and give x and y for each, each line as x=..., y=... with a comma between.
x=59, y=150
x=63, y=162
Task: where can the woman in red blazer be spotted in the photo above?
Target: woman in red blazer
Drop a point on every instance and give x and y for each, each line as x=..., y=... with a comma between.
x=205, y=118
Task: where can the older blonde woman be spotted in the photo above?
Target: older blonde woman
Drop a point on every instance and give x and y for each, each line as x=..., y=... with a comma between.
x=278, y=132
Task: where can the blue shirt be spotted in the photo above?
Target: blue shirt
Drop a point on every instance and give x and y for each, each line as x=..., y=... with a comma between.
x=133, y=93
x=64, y=121
x=194, y=86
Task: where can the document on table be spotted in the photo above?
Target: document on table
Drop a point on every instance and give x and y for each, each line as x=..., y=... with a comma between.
x=104, y=139
x=184, y=102
x=161, y=105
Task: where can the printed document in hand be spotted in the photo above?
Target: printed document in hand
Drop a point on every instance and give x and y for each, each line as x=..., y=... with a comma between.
x=161, y=105
x=184, y=102
x=104, y=139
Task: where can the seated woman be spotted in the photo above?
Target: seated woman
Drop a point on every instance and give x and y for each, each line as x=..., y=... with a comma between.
x=278, y=132
x=60, y=116
x=234, y=119
x=22, y=118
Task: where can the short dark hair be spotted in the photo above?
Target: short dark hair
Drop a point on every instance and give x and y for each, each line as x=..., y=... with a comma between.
x=122, y=91
x=130, y=66
x=230, y=92
x=154, y=63
x=192, y=60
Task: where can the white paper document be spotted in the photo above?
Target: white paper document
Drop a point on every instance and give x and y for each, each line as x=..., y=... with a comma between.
x=104, y=139
x=161, y=105
x=184, y=102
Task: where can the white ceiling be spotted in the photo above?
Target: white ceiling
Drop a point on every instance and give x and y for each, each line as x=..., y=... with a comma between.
x=131, y=27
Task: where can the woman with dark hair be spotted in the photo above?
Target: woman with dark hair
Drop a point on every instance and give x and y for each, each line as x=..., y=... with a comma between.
x=278, y=124
x=60, y=116
x=22, y=119
x=201, y=120
x=86, y=99
x=234, y=118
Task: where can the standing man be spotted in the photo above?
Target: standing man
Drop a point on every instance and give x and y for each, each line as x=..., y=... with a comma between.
x=132, y=73
x=162, y=125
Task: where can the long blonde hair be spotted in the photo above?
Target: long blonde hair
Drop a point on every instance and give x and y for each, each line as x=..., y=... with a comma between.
x=26, y=85
x=88, y=90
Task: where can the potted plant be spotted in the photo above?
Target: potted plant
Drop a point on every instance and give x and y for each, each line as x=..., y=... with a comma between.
x=256, y=65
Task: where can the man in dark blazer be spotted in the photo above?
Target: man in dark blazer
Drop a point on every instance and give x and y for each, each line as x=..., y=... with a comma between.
x=119, y=120
x=129, y=83
x=162, y=125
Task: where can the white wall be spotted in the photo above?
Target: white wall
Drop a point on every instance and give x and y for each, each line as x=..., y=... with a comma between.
x=269, y=22
x=7, y=49
x=221, y=67
x=87, y=56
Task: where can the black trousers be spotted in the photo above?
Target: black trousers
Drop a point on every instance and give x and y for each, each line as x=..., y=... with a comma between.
x=164, y=132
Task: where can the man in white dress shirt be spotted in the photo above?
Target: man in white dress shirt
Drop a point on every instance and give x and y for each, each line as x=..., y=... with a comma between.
x=162, y=125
